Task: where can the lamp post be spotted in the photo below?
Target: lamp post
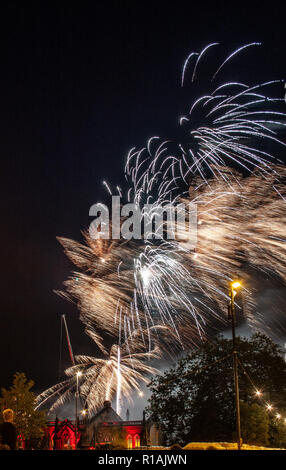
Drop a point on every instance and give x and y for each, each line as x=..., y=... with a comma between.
x=231, y=313
x=78, y=374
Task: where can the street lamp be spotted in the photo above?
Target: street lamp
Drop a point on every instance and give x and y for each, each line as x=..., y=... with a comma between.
x=231, y=315
x=78, y=374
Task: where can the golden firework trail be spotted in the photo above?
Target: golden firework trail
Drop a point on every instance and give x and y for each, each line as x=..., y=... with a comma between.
x=122, y=370
x=157, y=290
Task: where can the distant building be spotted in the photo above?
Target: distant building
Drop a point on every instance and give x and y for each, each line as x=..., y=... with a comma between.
x=61, y=434
x=104, y=430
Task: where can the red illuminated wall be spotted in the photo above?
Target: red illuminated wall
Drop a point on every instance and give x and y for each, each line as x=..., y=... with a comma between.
x=133, y=432
x=65, y=436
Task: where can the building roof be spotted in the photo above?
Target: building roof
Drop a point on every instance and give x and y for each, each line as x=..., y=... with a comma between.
x=106, y=414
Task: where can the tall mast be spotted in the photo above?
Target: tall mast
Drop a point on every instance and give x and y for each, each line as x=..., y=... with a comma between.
x=68, y=340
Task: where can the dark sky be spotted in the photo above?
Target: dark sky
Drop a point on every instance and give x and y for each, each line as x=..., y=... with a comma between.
x=80, y=86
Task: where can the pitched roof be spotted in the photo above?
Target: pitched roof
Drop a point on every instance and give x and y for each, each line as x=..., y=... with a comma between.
x=107, y=414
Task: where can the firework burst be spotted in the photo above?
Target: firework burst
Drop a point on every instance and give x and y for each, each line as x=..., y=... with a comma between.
x=163, y=294
x=121, y=371
x=237, y=120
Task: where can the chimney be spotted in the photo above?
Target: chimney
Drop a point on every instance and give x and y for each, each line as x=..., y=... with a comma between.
x=127, y=415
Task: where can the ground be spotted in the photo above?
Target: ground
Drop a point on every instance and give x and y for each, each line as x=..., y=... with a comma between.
x=213, y=446
x=222, y=446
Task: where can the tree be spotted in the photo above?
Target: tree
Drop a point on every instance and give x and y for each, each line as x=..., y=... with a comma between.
x=194, y=401
x=277, y=432
x=255, y=424
x=29, y=422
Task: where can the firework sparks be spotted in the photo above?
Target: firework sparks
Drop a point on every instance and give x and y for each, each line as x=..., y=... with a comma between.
x=237, y=118
x=165, y=295
x=136, y=286
x=240, y=233
x=121, y=371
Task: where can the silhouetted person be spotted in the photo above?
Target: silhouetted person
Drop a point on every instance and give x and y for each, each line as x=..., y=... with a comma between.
x=8, y=433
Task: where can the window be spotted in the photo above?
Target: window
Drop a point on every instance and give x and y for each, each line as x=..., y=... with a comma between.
x=137, y=440
x=66, y=439
x=129, y=442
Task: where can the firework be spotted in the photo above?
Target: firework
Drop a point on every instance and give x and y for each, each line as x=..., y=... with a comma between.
x=127, y=286
x=158, y=291
x=119, y=372
x=102, y=287
x=237, y=120
x=240, y=233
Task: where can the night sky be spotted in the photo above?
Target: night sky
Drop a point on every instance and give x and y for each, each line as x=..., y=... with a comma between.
x=80, y=86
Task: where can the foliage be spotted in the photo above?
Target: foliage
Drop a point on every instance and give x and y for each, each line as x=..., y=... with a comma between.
x=254, y=424
x=194, y=401
x=277, y=433
x=30, y=424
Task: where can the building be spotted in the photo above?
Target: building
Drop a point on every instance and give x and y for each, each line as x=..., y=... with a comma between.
x=61, y=434
x=107, y=428
x=104, y=430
